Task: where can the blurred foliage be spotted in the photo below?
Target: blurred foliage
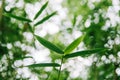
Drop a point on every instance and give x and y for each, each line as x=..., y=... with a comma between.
x=93, y=23
x=95, y=12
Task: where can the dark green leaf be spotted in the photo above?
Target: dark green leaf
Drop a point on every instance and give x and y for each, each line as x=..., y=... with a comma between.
x=49, y=45
x=41, y=10
x=44, y=65
x=73, y=45
x=85, y=52
x=45, y=18
x=16, y=17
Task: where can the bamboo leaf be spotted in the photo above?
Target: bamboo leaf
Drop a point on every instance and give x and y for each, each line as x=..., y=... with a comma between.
x=73, y=45
x=49, y=45
x=85, y=53
x=41, y=10
x=44, y=65
x=45, y=18
x=16, y=17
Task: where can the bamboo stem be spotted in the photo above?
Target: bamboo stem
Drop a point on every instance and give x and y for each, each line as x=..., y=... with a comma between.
x=60, y=69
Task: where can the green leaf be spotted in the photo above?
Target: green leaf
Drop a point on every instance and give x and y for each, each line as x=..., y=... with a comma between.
x=44, y=65
x=21, y=58
x=73, y=45
x=49, y=45
x=41, y=10
x=45, y=18
x=85, y=52
x=16, y=17
x=74, y=20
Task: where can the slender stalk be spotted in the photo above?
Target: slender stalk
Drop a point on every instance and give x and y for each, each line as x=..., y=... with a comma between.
x=115, y=51
x=115, y=64
x=49, y=75
x=2, y=20
x=1, y=10
x=95, y=68
x=60, y=69
x=115, y=74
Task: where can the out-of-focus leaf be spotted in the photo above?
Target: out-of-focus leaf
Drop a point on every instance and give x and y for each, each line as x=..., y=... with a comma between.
x=41, y=10
x=49, y=45
x=45, y=18
x=69, y=30
x=74, y=44
x=3, y=50
x=21, y=58
x=30, y=1
x=44, y=65
x=85, y=52
x=16, y=17
x=74, y=20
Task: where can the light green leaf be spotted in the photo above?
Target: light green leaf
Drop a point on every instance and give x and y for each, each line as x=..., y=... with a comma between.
x=44, y=65
x=16, y=17
x=73, y=45
x=49, y=45
x=85, y=53
x=45, y=18
x=41, y=10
